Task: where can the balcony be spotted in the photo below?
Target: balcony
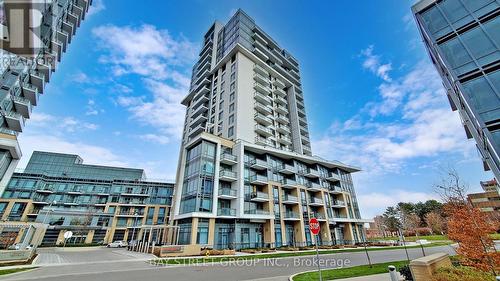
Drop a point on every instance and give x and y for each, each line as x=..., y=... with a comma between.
x=62, y=37
x=280, y=100
x=15, y=121
x=23, y=106
x=289, y=199
x=199, y=100
x=284, y=129
x=282, y=119
x=258, y=180
x=226, y=212
x=303, y=121
x=264, y=99
x=227, y=175
x=43, y=190
x=228, y=159
x=198, y=120
x=291, y=216
x=301, y=112
x=338, y=204
x=261, y=88
x=333, y=177
x=279, y=92
x=263, y=130
x=318, y=216
x=287, y=169
x=278, y=83
x=30, y=92
x=314, y=187
x=258, y=38
x=312, y=173
x=199, y=110
x=258, y=212
x=258, y=164
x=313, y=201
x=264, y=109
x=227, y=193
x=281, y=109
x=128, y=213
x=285, y=140
x=259, y=53
x=261, y=78
x=288, y=183
x=259, y=197
x=259, y=69
x=263, y=141
x=37, y=79
x=262, y=119
x=197, y=130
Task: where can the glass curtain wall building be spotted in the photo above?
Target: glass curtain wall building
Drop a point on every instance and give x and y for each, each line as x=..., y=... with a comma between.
x=29, y=56
x=463, y=40
x=99, y=204
x=246, y=176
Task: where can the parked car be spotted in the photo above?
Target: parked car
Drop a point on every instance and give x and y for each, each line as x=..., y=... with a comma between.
x=117, y=244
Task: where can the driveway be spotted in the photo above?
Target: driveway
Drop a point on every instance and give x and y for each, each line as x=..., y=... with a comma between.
x=77, y=255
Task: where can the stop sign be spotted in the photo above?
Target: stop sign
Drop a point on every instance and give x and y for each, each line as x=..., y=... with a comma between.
x=314, y=226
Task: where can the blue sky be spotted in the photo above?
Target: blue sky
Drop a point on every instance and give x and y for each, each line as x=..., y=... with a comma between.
x=372, y=97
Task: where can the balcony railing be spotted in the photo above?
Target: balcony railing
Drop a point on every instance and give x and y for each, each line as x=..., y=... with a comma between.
x=289, y=198
x=226, y=212
x=291, y=215
x=257, y=212
x=314, y=200
x=227, y=174
x=259, y=195
x=227, y=192
x=227, y=157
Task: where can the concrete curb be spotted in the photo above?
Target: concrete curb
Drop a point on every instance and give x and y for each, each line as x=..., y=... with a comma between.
x=291, y=277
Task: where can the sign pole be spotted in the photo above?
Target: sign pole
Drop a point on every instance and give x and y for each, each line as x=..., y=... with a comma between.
x=315, y=227
x=317, y=258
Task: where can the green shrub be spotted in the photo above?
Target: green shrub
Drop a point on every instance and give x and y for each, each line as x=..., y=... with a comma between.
x=406, y=272
x=461, y=273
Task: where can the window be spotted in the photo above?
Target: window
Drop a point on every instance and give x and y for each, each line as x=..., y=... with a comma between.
x=221, y=114
x=492, y=27
x=453, y=9
x=230, y=131
x=233, y=76
x=231, y=119
x=435, y=21
x=231, y=96
x=482, y=96
x=479, y=44
x=232, y=87
x=233, y=67
x=456, y=56
x=231, y=107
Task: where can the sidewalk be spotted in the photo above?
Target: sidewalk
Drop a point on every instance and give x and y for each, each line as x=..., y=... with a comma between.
x=376, y=277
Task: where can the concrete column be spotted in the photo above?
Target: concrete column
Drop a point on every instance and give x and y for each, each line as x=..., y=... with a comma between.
x=211, y=231
x=90, y=236
x=194, y=231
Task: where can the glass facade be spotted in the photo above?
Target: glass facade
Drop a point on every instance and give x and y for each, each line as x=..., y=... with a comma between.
x=198, y=185
x=463, y=38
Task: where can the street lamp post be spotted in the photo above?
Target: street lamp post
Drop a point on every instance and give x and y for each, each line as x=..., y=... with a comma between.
x=45, y=218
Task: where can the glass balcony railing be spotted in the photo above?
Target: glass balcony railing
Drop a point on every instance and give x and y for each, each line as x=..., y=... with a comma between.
x=226, y=212
x=227, y=192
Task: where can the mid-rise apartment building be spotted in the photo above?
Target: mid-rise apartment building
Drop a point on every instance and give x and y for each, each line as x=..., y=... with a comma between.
x=34, y=36
x=246, y=176
x=99, y=204
x=463, y=40
x=489, y=200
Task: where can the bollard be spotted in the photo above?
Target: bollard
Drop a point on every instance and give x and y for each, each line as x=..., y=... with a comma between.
x=393, y=273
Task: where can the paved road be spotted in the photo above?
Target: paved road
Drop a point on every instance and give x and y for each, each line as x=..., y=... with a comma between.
x=60, y=256
x=264, y=270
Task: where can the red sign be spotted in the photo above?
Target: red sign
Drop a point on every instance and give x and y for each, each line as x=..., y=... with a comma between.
x=314, y=226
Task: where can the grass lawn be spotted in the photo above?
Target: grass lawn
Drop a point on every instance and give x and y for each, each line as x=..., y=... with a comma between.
x=14, y=270
x=495, y=236
x=347, y=272
x=210, y=259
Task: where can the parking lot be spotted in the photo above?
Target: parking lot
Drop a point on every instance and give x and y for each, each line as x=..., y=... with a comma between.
x=58, y=256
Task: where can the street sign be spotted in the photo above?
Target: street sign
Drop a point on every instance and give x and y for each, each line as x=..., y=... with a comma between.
x=68, y=234
x=314, y=226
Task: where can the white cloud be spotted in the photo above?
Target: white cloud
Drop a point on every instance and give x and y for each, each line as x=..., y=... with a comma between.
x=421, y=125
x=96, y=7
x=91, y=154
x=372, y=63
x=67, y=124
x=155, y=138
x=160, y=60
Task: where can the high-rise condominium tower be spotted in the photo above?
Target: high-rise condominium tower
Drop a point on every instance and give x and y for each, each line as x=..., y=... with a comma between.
x=463, y=40
x=33, y=36
x=246, y=175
